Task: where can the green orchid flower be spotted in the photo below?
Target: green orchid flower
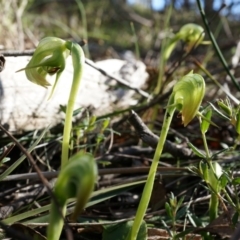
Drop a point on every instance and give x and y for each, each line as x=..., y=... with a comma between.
x=48, y=59
x=76, y=180
x=192, y=34
x=77, y=176
x=187, y=96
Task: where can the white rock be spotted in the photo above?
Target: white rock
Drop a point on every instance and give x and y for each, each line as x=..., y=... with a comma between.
x=24, y=105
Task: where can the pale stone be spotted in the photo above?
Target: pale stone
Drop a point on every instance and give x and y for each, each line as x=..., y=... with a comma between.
x=25, y=106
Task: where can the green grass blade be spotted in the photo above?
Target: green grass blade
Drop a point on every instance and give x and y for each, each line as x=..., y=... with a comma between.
x=19, y=161
x=97, y=197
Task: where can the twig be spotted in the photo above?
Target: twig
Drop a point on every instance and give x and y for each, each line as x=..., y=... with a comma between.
x=40, y=175
x=119, y=80
x=88, y=62
x=152, y=140
x=156, y=100
x=50, y=175
x=24, y=151
x=15, y=53
x=83, y=224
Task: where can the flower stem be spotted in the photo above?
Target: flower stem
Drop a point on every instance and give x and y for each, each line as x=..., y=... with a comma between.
x=56, y=221
x=214, y=201
x=213, y=206
x=78, y=62
x=146, y=195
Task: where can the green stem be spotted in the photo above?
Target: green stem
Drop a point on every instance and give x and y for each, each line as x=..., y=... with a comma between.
x=213, y=206
x=236, y=142
x=146, y=195
x=230, y=201
x=76, y=180
x=214, y=201
x=56, y=221
x=78, y=63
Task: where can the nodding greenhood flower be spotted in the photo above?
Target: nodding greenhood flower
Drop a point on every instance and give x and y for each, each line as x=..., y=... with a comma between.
x=49, y=58
x=187, y=96
x=191, y=33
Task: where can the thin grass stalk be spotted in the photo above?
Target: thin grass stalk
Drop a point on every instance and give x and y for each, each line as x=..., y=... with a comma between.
x=162, y=61
x=137, y=52
x=215, y=45
x=84, y=23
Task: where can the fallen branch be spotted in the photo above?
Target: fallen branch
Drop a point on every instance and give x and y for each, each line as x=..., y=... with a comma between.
x=151, y=139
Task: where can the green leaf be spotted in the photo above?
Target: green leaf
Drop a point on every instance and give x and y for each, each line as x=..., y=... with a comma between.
x=181, y=212
x=180, y=201
x=238, y=121
x=219, y=113
x=19, y=161
x=100, y=137
x=205, y=124
x=97, y=197
x=196, y=221
x=219, y=152
x=76, y=112
x=168, y=210
x=235, y=218
x=213, y=176
x=182, y=234
x=236, y=181
x=203, y=167
x=91, y=124
x=4, y=160
x=62, y=108
x=196, y=150
x=121, y=230
x=173, y=201
x=105, y=123
x=224, y=181
x=191, y=219
x=225, y=107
